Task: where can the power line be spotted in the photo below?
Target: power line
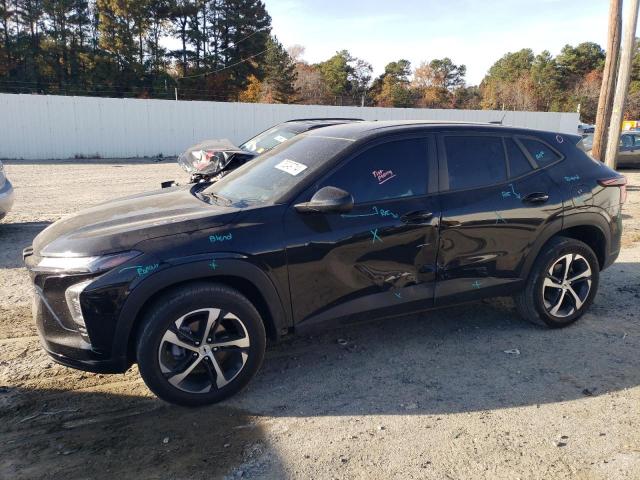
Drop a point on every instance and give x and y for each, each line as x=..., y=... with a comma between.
x=241, y=40
x=224, y=68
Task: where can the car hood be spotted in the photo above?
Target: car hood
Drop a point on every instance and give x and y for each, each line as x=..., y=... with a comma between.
x=120, y=224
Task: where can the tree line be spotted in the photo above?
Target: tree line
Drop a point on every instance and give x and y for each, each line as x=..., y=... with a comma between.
x=224, y=50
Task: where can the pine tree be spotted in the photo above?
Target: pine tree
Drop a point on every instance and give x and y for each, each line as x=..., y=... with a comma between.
x=244, y=34
x=120, y=28
x=279, y=74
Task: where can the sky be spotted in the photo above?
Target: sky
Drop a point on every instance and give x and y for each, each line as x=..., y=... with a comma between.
x=473, y=33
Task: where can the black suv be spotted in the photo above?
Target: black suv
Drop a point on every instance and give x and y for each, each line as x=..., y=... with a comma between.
x=340, y=224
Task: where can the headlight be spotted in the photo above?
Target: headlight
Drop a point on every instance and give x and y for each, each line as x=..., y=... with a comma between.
x=85, y=264
x=72, y=296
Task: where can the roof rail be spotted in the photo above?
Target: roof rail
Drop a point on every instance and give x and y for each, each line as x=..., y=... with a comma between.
x=326, y=118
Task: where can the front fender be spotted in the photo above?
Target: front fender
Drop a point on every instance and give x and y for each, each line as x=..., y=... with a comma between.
x=197, y=267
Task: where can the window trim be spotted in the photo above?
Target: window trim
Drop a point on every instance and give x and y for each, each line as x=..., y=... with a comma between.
x=528, y=157
x=431, y=156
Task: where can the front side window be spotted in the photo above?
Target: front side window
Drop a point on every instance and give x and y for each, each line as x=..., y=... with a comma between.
x=391, y=170
x=541, y=153
x=474, y=161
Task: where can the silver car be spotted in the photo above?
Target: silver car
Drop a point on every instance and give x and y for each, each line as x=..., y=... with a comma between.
x=628, y=149
x=6, y=193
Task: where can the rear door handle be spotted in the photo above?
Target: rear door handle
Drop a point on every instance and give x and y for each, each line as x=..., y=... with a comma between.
x=537, y=197
x=418, y=217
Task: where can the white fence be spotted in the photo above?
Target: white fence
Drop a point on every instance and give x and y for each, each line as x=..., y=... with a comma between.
x=41, y=126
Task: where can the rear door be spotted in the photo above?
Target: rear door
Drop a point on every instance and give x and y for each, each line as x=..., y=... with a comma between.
x=495, y=202
x=381, y=256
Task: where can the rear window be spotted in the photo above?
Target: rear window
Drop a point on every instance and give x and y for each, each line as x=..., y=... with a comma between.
x=474, y=161
x=268, y=140
x=541, y=153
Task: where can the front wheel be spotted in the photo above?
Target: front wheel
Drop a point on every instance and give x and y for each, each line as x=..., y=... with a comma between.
x=200, y=344
x=562, y=284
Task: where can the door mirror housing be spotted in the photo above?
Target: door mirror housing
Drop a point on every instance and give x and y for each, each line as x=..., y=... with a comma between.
x=327, y=200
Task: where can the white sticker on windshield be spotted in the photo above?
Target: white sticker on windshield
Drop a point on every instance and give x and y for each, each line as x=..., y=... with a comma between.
x=291, y=167
x=280, y=139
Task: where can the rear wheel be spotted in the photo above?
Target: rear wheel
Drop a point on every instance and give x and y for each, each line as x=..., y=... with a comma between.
x=201, y=344
x=562, y=284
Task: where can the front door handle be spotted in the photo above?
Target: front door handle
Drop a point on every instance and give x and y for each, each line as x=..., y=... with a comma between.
x=537, y=197
x=418, y=217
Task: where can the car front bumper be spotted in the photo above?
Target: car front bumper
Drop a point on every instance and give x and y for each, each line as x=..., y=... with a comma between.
x=6, y=198
x=64, y=342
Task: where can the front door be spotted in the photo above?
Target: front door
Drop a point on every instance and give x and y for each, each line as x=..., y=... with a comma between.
x=380, y=256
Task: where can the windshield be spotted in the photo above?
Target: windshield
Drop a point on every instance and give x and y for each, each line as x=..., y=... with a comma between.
x=273, y=174
x=268, y=140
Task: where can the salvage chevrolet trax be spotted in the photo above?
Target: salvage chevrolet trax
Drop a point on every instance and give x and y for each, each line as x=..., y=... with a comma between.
x=340, y=224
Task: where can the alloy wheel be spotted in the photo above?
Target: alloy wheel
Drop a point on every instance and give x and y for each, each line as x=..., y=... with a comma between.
x=204, y=350
x=567, y=285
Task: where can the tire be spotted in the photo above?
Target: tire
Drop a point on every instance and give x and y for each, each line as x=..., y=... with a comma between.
x=183, y=365
x=554, y=296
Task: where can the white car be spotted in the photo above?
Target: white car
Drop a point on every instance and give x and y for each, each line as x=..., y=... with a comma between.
x=6, y=193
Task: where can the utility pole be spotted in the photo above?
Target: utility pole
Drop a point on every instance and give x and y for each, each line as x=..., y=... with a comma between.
x=622, y=82
x=605, y=103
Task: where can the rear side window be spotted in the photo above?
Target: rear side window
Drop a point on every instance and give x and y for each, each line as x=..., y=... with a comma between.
x=518, y=163
x=390, y=170
x=475, y=161
x=626, y=141
x=541, y=153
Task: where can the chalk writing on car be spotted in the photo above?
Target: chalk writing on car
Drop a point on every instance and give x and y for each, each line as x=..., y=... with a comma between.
x=383, y=176
x=476, y=284
x=213, y=265
x=142, y=270
x=385, y=213
x=217, y=238
x=376, y=212
x=499, y=218
x=511, y=193
x=374, y=236
x=540, y=155
x=572, y=178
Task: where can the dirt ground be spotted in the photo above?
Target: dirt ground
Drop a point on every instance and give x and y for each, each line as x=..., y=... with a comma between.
x=427, y=396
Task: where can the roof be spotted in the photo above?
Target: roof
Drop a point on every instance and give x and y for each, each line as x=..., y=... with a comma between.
x=327, y=119
x=360, y=130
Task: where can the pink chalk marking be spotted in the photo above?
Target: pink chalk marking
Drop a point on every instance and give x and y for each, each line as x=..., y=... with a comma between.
x=383, y=176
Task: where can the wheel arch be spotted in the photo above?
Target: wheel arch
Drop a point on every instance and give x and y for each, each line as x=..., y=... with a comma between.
x=588, y=227
x=247, y=278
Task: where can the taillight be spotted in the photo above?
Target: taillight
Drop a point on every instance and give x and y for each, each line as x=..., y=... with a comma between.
x=616, y=182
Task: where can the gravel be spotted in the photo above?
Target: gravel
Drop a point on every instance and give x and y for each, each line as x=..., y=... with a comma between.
x=425, y=396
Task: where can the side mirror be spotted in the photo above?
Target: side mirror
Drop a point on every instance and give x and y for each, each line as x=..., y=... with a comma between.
x=327, y=200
